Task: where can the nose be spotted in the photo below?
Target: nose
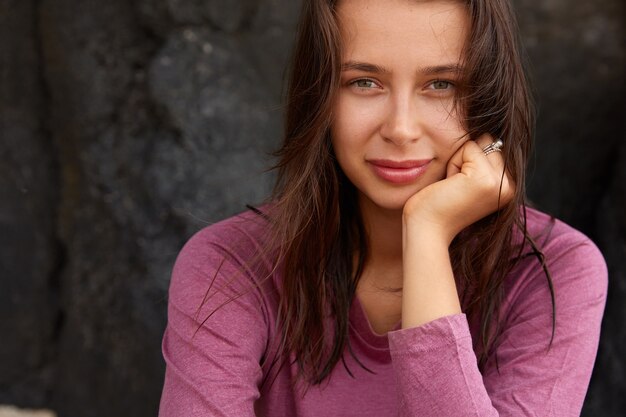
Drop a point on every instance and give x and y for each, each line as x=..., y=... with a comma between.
x=401, y=125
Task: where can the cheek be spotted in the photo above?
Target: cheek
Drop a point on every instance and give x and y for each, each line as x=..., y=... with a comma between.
x=351, y=129
x=343, y=147
x=348, y=150
x=444, y=117
x=358, y=115
x=447, y=130
x=450, y=148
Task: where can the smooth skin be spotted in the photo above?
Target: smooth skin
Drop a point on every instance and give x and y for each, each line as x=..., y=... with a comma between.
x=400, y=65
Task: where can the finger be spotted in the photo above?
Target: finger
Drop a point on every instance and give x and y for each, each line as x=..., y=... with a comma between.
x=495, y=158
x=491, y=170
x=455, y=163
x=484, y=140
x=469, y=156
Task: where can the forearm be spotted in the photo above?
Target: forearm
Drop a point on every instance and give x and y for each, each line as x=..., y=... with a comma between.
x=429, y=290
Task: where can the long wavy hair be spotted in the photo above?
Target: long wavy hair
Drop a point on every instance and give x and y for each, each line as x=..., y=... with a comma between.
x=317, y=228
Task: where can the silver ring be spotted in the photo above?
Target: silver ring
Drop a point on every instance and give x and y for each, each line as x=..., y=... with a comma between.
x=493, y=147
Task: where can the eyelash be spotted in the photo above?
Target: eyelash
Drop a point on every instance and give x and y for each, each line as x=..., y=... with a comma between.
x=355, y=83
x=448, y=83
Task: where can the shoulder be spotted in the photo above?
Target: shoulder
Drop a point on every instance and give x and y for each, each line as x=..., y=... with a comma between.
x=573, y=264
x=221, y=310
x=560, y=242
x=551, y=233
x=223, y=261
x=239, y=237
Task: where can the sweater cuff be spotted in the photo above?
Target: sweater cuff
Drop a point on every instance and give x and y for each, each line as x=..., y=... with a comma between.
x=429, y=336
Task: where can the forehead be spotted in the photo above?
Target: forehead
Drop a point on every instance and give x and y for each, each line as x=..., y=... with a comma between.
x=407, y=29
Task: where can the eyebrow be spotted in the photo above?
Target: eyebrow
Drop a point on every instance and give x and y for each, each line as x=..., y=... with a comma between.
x=376, y=69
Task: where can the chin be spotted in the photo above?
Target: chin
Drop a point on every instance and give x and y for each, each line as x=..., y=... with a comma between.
x=390, y=202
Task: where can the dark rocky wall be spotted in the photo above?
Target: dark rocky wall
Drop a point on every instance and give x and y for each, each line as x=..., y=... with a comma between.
x=30, y=254
x=126, y=125
x=578, y=57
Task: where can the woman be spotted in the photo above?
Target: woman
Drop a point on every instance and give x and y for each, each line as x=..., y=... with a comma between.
x=396, y=269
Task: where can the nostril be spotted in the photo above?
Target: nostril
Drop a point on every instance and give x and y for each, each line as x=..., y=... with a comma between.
x=402, y=127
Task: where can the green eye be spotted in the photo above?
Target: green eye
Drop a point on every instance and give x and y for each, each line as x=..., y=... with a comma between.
x=365, y=83
x=441, y=85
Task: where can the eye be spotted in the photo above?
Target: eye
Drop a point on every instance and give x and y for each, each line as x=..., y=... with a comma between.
x=441, y=85
x=364, y=83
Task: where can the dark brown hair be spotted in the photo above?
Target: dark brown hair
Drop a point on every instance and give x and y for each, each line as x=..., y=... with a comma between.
x=316, y=223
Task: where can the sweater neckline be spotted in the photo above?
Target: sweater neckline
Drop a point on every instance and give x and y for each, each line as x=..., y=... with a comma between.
x=362, y=330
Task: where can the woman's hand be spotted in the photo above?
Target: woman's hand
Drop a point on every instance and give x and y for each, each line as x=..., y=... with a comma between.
x=475, y=186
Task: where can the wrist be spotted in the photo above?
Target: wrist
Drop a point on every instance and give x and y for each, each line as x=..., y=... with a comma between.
x=431, y=233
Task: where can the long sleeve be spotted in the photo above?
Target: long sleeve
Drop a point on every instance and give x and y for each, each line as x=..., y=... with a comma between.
x=436, y=368
x=212, y=363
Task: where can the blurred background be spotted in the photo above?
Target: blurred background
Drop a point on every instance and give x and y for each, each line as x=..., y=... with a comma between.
x=127, y=125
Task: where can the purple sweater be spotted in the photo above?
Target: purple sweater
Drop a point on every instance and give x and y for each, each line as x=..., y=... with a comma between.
x=215, y=367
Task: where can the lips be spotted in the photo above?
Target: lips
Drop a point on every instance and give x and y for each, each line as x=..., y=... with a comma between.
x=399, y=172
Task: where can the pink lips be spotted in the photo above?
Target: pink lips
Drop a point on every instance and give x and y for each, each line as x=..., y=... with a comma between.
x=399, y=172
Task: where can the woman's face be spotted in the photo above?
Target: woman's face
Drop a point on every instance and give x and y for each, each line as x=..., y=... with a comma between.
x=395, y=126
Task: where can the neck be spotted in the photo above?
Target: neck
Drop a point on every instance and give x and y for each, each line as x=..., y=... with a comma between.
x=384, y=239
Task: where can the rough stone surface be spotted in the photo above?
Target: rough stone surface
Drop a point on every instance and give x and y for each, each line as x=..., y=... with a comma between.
x=578, y=57
x=228, y=16
x=30, y=253
x=606, y=394
x=127, y=125
x=577, y=64
x=113, y=309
